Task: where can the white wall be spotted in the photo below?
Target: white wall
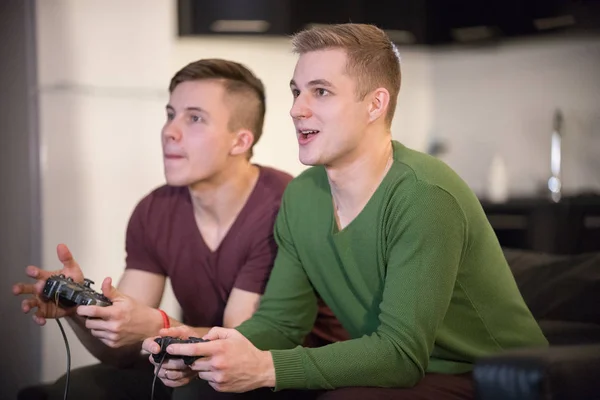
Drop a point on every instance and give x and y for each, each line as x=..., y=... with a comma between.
x=501, y=100
x=103, y=68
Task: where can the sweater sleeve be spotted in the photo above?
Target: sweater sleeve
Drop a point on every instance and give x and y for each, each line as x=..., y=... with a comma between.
x=425, y=234
x=288, y=308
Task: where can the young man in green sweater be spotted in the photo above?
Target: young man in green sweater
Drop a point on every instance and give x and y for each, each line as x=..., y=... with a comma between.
x=392, y=240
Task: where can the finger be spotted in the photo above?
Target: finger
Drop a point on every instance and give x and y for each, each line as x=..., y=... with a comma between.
x=110, y=343
x=40, y=313
x=105, y=313
x=99, y=324
x=150, y=345
x=151, y=359
x=175, y=384
x=65, y=256
x=38, y=287
x=194, y=349
x=175, y=364
x=171, y=374
x=202, y=364
x=181, y=332
x=28, y=304
x=105, y=336
x=218, y=333
x=173, y=378
x=23, y=288
x=37, y=273
x=207, y=376
x=39, y=320
x=109, y=290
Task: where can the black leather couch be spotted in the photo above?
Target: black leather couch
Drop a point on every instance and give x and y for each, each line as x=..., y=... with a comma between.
x=563, y=293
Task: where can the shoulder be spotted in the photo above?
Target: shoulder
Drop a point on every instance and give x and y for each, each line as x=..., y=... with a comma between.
x=422, y=185
x=414, y=171
x=273, y=181
x=308, y=182
x=160, y=200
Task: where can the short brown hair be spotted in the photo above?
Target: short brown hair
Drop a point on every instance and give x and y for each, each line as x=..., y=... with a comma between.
x=242, y=87
x=372, y=58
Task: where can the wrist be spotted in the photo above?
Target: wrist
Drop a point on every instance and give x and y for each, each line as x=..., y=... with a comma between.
x=160, y=321
x=267, y=378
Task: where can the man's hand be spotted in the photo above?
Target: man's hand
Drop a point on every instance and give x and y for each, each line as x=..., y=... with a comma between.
x=48, y=309
x=229, y=362
x=123, y=323
x=173, y=372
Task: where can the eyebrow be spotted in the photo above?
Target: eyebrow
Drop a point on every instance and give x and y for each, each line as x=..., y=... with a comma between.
x=199, y=109
x=314, y=82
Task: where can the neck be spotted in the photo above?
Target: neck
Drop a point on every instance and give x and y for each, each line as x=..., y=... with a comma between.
x=354, y=180
x=219, y=200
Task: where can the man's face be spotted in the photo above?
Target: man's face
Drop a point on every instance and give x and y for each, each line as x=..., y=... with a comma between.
x=330, y=121
x=195, y=139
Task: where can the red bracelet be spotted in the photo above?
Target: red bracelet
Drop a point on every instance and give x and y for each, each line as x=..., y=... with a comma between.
x=166, y=323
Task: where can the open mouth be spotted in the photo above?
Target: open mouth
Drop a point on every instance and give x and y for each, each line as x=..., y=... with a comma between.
x=307, y=133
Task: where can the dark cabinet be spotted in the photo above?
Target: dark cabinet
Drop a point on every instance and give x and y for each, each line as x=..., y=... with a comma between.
x=571, y=226
x=425, y=22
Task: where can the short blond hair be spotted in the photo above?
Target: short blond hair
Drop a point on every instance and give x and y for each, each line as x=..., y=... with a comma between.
x=244, y=91
x=372, y=57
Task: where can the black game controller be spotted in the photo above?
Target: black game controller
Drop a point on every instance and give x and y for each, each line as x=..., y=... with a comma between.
x=166, y=341
x=69, y=293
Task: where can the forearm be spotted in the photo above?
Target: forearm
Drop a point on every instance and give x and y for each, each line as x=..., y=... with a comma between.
x=121, y=356
x=287, y=311
x=265, y=335
x=374, y=360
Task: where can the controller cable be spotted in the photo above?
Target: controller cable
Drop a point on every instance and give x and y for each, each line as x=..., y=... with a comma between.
x=156, y=374
x=64, y=335
x=68, y=358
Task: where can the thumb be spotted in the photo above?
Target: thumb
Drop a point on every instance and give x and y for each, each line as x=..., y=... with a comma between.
x=65, y=256
x=181, y=332
x=109, y=290
x=218, y=333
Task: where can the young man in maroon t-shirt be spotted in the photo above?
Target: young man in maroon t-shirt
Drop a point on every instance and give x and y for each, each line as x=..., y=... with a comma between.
x=209, y=230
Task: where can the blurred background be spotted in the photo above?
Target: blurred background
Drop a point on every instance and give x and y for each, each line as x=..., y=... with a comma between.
x=507, y=92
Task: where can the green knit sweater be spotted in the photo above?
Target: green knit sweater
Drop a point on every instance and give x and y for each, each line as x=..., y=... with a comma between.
x=418, y=279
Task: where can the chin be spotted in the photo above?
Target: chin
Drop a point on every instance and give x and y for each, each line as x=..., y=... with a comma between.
x=309, y=162
x=309, y=159
x=174, y=180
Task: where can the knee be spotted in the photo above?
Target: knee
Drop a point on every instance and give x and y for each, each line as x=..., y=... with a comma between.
x=81, y=382
x=337, y=394
x=349, y=393
x=37, y=392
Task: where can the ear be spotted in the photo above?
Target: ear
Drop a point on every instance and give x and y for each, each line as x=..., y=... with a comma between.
x=378, y=104
x=242, y=142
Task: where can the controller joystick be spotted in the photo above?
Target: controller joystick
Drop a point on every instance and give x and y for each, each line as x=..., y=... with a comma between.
x=165, y=341
x=69, y=293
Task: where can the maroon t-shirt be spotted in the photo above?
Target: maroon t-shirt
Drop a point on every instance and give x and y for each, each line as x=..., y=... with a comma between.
x=163, y=238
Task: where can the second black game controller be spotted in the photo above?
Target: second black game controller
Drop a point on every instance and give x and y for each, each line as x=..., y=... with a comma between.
x=69, y=293
x=165, y=341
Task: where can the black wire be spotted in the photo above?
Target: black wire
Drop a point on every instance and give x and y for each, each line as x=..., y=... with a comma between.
x=156, y=374
x=68, y=358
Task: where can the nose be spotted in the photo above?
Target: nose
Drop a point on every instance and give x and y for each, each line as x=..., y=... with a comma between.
x=301, y=108
x=171, y=131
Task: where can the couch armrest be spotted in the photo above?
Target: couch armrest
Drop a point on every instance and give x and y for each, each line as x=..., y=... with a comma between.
x=555, y=372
